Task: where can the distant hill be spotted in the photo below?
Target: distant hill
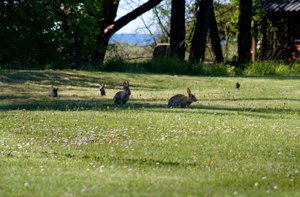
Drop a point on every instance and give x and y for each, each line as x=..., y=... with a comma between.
x=136, y=39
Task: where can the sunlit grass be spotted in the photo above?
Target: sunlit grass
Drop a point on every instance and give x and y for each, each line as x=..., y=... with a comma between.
x=230, y=143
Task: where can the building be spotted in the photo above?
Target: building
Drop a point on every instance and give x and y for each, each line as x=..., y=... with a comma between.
x=278, y=34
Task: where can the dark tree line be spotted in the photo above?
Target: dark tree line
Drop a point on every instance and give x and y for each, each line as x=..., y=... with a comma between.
x=60, y=33
x=244, y=37
x=76, y=33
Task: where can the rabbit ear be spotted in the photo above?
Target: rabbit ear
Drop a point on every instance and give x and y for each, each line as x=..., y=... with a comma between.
x=126, y=84
x=189, y=91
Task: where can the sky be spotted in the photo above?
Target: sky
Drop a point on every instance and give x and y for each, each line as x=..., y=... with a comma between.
x=135, y=25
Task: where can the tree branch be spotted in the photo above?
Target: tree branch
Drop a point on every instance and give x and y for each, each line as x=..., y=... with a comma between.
x=121, y=22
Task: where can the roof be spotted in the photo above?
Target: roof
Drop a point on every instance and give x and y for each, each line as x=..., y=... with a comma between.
x=280, y=5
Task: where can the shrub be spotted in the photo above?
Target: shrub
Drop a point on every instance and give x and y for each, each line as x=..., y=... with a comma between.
x=295, y=69
x=271, y=68
x=114, y=64
x=212, y=69
x=218, y=69
x=260, y=68
x=120, y=65
x=168, y=65
x=197, y=69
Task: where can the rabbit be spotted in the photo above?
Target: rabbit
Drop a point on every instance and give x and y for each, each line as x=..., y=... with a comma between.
x=102, y=90
x=53, y=91
x=237, y=85
x=182, y=101
x=123, y=96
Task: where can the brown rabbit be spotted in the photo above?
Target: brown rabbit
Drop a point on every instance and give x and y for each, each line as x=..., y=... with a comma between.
x=53, y=91
x=182, y=101
x=123, y=96
x=102, y=90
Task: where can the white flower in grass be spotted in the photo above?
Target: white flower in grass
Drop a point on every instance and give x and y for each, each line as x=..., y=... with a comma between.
x=275, y=187
x=26, y=184
x=256, y=184
x=84, y=189
x=19, y=146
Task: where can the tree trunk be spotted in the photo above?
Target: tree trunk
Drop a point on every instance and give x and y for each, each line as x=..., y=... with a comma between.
x=177, y=33
x=108, y=27
x=244, y=37
x=198, y=42
x=109, y=13
x=264, y=44
x=215, y=38
x=74, y=56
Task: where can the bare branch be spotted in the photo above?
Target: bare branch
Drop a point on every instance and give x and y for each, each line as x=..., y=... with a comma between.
x=121, y=22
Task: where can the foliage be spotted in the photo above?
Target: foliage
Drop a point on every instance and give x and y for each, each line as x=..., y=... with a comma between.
x=218, y=70
x=231, y=143
x=226, y=15
x=227, y=19
x=115, y=64
x=212, y=69
x=271, y=68
x=175, y=66
x=39, y=33
x=170, y=65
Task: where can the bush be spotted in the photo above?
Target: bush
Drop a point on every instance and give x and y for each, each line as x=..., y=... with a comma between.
x=197, y=69
x=260, y=68
x=295, y=69
x=114, y=64
x=168, y=65
x=176, y=66
x=118, y=64
x=271, y=68
x=212, y=69
x=218, y=70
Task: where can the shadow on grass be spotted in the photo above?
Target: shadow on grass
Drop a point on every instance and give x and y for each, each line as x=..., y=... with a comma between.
x=108, y=105
x=252, y=99
x=73, y=105
x=122, y=161
x=148, y=162
x=57, y=78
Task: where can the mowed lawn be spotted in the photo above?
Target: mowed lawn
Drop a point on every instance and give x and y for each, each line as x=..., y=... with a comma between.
x=230, y=142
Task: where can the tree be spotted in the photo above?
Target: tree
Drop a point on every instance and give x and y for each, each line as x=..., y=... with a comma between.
x=244, y=36
x=23, y=37
x=108, y=26
x=66, y=34
x=177, y=33
x=215, y=38
x=198, y=41
x=59, y=34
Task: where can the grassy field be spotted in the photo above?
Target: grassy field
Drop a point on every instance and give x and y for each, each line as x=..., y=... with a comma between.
x=230, y=143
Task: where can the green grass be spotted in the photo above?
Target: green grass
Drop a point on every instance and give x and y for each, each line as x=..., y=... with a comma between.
x=230, y=143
